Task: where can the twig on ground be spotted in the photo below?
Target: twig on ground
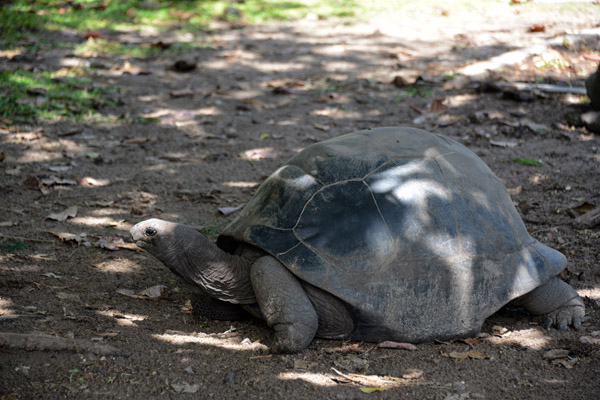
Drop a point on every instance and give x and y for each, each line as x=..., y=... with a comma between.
x=36, y=342
x=26, y=239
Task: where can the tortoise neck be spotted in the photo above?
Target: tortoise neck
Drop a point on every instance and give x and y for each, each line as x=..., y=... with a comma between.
x=219, y=274
x=226, y=276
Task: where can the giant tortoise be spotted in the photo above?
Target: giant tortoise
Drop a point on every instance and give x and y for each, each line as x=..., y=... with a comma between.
x=383, y=234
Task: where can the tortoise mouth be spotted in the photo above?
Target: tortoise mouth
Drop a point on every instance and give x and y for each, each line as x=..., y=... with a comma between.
x=141, y=243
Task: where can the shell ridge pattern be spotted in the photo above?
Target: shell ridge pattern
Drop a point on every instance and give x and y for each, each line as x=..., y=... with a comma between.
x=283, y=253
x=451, y=195
x=293, y=229
x=311, y=198
x=377, y=206
x=385, y=164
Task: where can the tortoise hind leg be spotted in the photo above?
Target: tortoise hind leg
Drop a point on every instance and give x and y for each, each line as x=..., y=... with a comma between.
x=284, y=305
x=559, y=302
x=335, y=321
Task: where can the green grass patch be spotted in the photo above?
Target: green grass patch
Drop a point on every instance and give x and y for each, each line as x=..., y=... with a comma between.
x=27, y=23
x=86, y=15
x=26, y=96
x=211, y=230
x=15, y=245
x=419, y=91
x=527, y=161
x=105, y=48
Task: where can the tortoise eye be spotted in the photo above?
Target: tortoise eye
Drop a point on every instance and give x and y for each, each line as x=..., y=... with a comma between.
x=150, y=231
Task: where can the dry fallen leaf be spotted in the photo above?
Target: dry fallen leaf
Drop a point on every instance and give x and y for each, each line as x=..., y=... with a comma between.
x=537, y=28
x=66, y=237
x=70, y=212
x=503, y=143
x=589, y=340
x=438, y=105
x=229, y=210
x=153, y=291
x=371, y=389
x=130, y=69
x=397, y=345
x=555, y=353
x=89, y=181
x=321, y=127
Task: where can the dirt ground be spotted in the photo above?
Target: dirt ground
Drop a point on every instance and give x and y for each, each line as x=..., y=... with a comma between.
x=257, y=95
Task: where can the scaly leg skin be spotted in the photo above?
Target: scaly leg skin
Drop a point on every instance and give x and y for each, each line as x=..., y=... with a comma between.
x=559, y=302
x=211, y=308
x=284, y=305
x=335, y=321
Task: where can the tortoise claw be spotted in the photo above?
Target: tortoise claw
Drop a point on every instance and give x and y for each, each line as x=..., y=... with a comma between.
x=571, y=313
x=562, y=325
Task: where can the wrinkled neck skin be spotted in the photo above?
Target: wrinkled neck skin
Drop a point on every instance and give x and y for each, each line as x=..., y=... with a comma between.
x=205, y=266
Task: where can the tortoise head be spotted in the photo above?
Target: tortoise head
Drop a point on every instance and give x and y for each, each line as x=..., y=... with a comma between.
x=165, y=240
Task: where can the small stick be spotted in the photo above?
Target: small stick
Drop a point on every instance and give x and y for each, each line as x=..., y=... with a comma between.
x=26, y=239
x=259, y=357
x=36, y=342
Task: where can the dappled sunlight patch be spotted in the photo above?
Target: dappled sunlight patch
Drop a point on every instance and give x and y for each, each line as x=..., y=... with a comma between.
x=240, y=184
x=266, y=153
x=5, y=306
x=279, y=66
x=95, y=221
x=118, y=266
x=336, y=49
x=46, y=150
x=532, y=338
x=215, y=340
x=309, y=377
x=339, y=66
x=460, y=100
x=100, y=212
x=123, y=319
x=149, y=98
x=593, y=293
x=21, y=267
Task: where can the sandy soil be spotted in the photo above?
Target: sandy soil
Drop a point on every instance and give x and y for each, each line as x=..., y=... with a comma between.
x=281, y=87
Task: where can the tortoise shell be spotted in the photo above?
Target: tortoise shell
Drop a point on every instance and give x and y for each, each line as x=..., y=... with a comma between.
x=410, y=229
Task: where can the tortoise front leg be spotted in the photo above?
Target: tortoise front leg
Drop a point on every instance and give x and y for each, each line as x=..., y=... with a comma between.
x=284, y=305
x=559, y=302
